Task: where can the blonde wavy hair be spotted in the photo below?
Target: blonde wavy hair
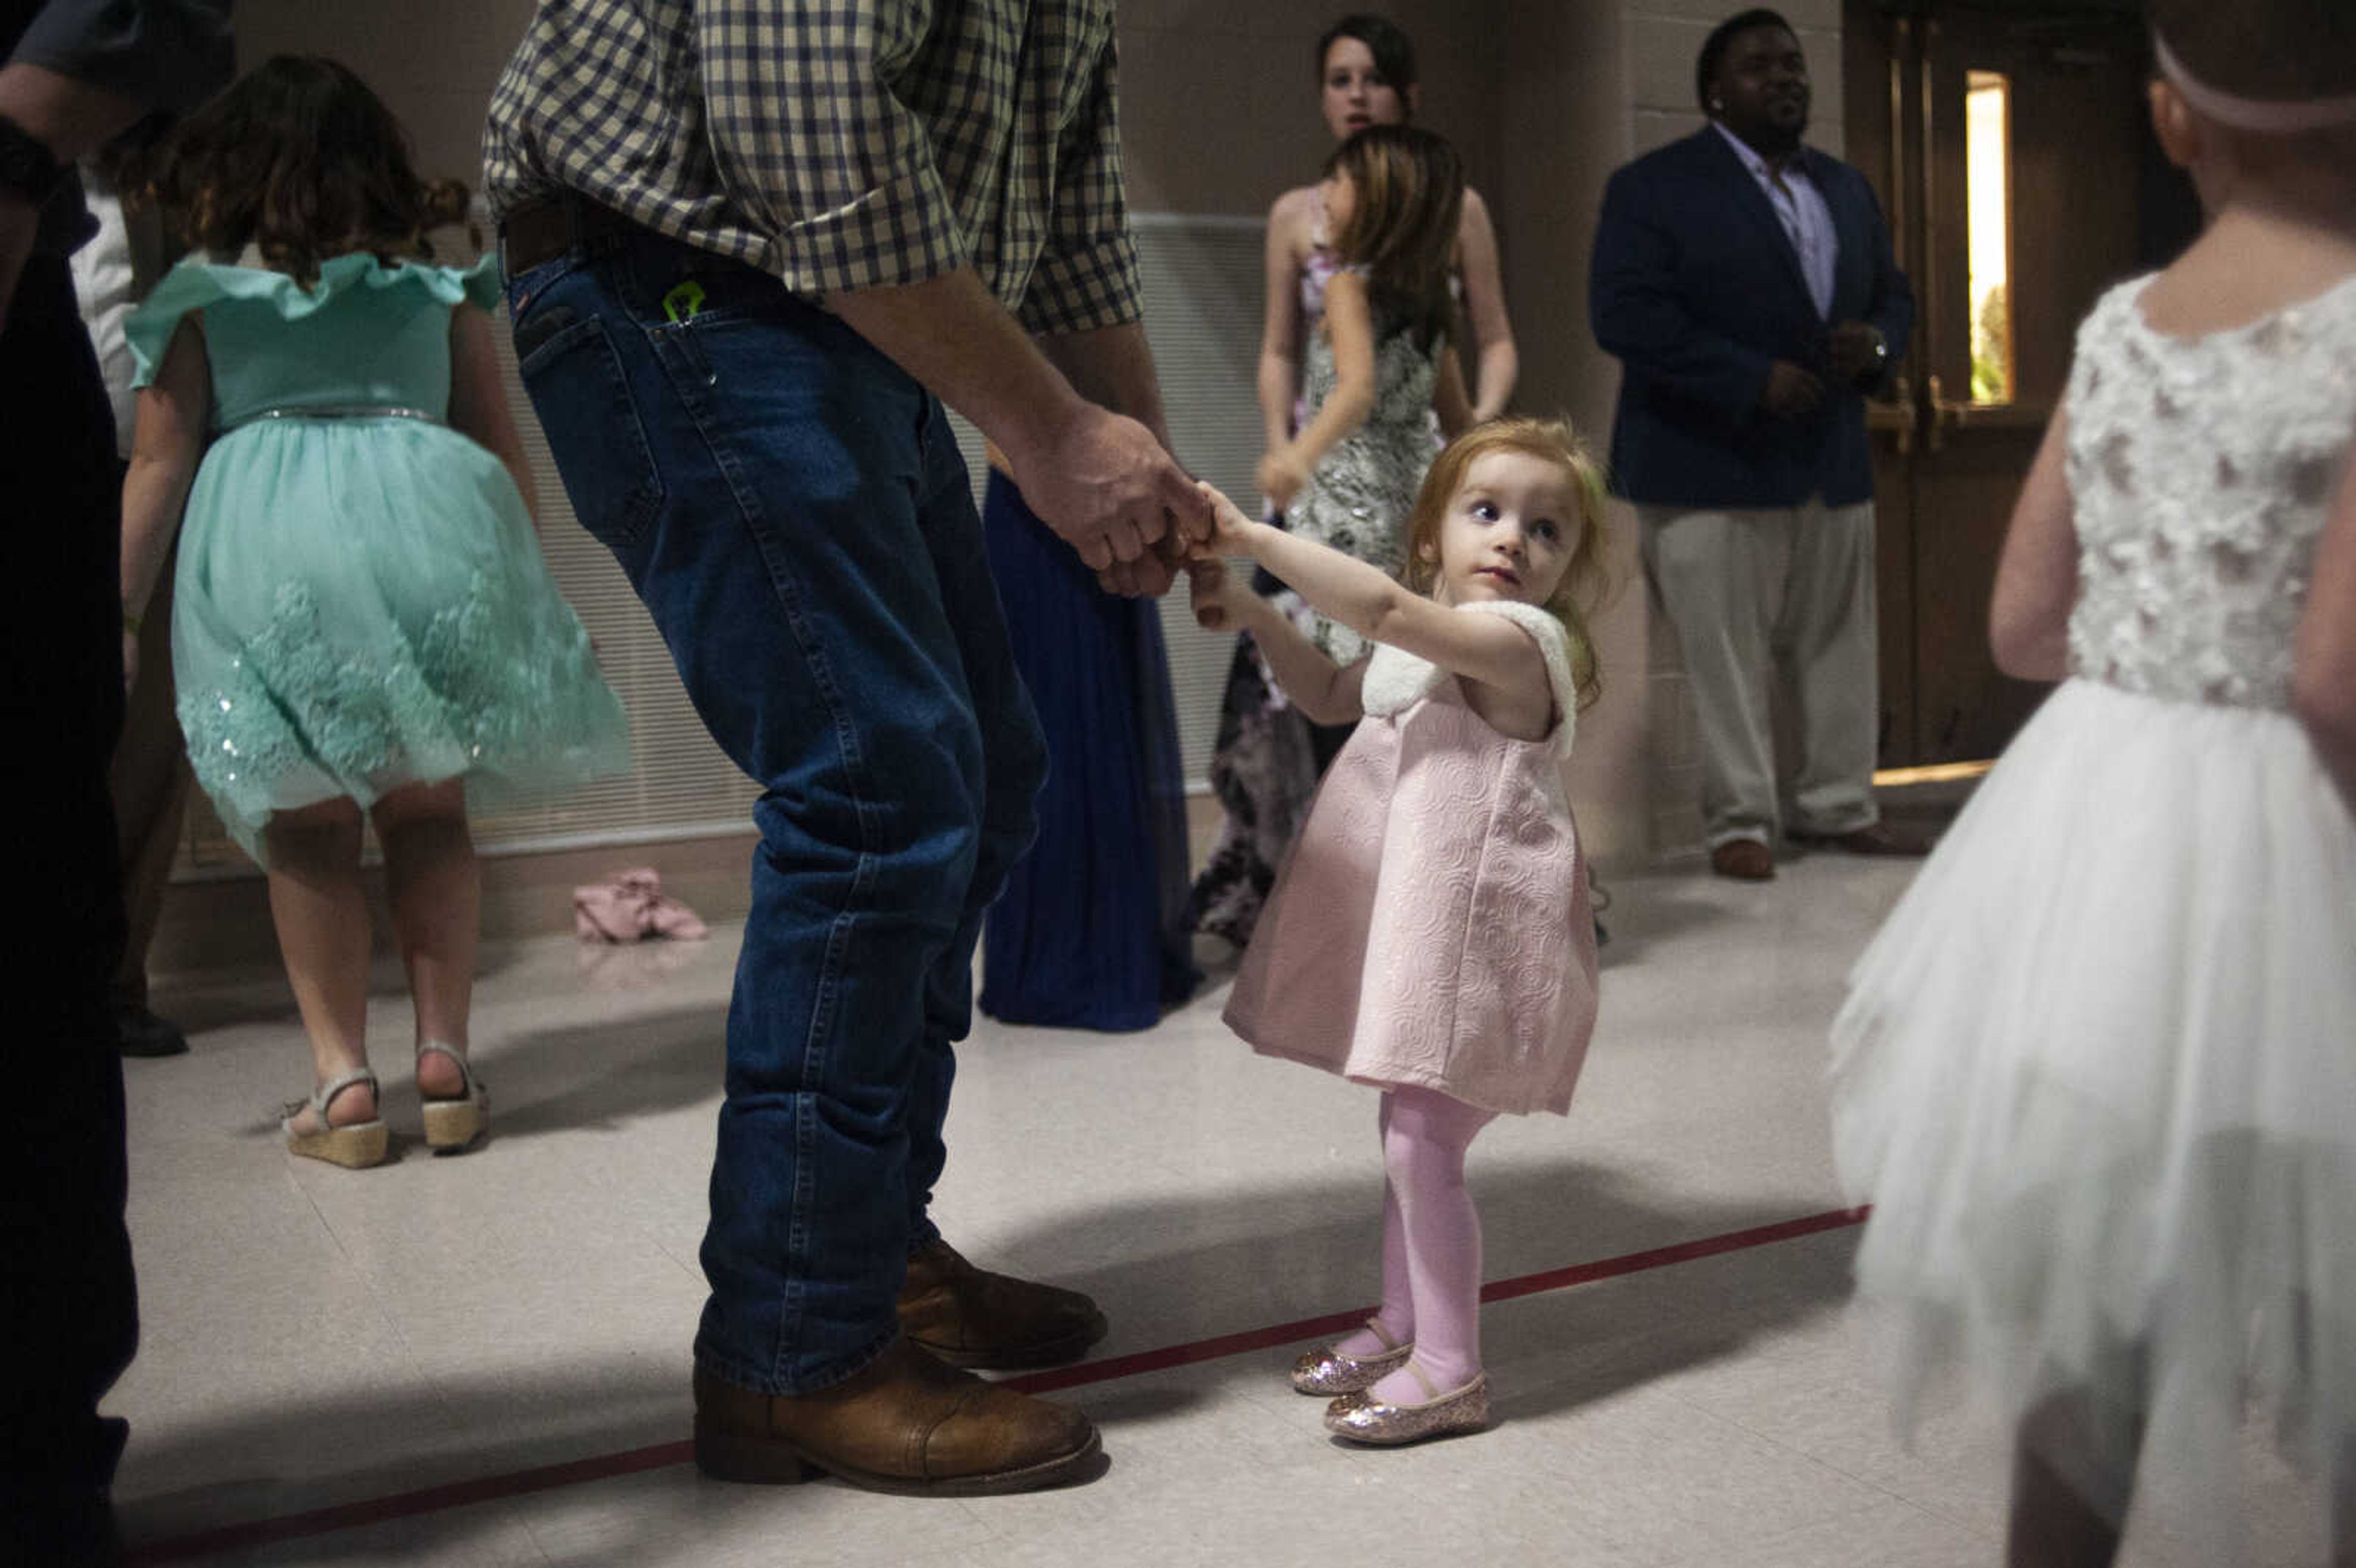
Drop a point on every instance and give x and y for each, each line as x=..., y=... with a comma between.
x=1587, y=585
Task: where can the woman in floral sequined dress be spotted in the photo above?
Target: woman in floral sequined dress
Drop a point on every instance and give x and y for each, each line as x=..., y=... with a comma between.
x=1267, y=759
x=1377, y=372
x=362, y=622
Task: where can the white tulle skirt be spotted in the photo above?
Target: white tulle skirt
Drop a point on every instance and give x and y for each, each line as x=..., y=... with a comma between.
x=2097, y=1077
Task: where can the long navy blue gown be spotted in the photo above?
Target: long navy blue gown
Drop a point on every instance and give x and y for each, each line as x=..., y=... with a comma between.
x=1092, y=931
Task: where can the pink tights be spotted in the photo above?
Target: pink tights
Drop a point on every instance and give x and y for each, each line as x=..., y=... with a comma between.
x=1431, y=1245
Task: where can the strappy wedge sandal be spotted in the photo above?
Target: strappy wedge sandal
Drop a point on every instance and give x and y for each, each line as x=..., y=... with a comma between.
x=457, y=1124
x=355, y=1147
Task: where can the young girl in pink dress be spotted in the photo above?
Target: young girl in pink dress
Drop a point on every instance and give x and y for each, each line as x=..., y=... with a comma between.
x=1430, y=935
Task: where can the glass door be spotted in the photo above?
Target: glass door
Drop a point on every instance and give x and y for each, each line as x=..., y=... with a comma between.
x=2010, y=148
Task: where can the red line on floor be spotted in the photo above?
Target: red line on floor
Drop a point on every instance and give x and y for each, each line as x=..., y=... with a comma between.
x=1497, y=1290
x=408, y=1505
x=662, y=1456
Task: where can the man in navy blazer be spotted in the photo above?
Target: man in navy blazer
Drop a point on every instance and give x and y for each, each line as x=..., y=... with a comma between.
x=1746, y=282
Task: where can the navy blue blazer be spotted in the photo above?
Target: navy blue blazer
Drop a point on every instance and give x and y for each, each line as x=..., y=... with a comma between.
x=1696, y=289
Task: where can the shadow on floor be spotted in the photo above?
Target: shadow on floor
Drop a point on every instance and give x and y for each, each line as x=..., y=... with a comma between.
x=602, y=1076
x=605, y=1075
x=1559, y=1351
x=258, y=994
x=1646, y=911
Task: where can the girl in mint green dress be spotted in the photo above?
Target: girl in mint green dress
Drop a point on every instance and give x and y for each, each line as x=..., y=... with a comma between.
x=362, y=623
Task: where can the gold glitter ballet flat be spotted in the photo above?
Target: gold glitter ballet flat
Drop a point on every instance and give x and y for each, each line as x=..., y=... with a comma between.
x=1362, y=1418
x=1329, y=1372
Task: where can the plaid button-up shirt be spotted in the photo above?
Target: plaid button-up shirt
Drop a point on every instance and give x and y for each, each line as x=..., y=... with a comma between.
x=840, y=145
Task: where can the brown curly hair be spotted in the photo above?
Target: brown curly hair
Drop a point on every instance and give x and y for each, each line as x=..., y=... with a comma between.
x=1409, y=186
x=302, y=161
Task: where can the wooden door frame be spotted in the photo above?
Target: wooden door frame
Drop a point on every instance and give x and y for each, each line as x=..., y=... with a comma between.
x=1898, y=75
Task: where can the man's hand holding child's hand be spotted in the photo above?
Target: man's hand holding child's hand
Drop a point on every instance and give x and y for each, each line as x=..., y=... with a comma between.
x=1215, y=593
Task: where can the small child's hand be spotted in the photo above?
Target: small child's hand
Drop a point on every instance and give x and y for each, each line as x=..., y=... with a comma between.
x=1281, y=477
x=1211, y=590
x=1228, y=526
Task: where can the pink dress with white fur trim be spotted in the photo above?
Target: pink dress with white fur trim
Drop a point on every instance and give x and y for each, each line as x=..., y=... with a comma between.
x=1432, y=926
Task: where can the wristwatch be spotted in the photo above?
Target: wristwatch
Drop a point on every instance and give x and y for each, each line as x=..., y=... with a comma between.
x=28, y=170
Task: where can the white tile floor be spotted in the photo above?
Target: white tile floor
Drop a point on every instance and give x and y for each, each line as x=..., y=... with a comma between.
x=318, y=1337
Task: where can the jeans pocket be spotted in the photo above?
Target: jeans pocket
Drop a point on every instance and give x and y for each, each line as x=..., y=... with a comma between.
x=583, y=397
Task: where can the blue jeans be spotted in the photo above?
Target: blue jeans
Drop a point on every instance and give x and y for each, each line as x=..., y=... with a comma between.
x=793, y=510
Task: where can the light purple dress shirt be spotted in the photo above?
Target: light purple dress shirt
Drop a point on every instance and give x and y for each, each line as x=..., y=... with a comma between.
x=1807, y=219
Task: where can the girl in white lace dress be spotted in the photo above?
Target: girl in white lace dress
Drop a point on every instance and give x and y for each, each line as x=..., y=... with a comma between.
x=2097, y=1074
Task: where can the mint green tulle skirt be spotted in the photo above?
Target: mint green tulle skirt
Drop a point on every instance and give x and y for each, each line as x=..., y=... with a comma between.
x=361, y=606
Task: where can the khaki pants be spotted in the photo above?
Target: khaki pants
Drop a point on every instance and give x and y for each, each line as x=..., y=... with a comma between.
x=150, y=782
x=1755, y=594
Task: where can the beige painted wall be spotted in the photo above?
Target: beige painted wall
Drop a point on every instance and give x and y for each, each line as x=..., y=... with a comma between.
x=1219, y=97
x=434, y=61
x=1563, y=123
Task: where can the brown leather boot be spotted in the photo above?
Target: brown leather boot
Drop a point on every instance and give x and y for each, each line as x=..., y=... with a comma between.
x=903, y=1424
x=972, y=1317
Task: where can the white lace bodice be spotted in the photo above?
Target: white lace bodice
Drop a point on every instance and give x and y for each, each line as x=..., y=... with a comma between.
x=2202, y=470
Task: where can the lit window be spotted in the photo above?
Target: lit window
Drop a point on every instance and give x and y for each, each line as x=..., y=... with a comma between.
x=1988, y=174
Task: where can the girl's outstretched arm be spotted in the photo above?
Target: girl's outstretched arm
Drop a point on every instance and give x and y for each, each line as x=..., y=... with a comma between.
x=1350, y=329
x=2037, y=576
x=478, y=400
x=2323, y=678
x=1486, y=649
x=1325, y=692
x=165, y=446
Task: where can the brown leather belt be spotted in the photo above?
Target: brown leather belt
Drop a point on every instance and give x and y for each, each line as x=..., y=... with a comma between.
x=545, y=228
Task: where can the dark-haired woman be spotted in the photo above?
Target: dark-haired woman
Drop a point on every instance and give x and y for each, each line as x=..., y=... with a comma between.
x=1367, y=75
x=1268, y=757
x=361, y=622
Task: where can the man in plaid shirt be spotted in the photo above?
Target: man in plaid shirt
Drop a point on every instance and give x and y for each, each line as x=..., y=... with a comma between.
x=752, y=246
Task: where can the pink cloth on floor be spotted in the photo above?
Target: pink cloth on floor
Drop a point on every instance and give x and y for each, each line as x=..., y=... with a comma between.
x=631, y=907
x=1432, y=926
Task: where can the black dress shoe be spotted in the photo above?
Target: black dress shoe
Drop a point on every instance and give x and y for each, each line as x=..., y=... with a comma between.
x=1880, y=839
x=145, y=1034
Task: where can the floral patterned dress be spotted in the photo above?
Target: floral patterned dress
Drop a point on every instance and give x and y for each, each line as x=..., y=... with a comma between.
x=1265, y=763
x=2096, y=1072
x=1358, y=499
